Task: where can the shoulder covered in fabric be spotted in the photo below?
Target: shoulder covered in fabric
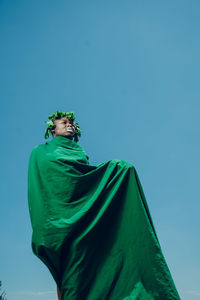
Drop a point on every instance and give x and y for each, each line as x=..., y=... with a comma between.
x=36, y=150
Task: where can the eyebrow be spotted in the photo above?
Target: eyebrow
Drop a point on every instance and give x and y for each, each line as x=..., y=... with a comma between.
x=65, y=120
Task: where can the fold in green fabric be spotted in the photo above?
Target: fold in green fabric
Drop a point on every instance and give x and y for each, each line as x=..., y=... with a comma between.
x=92, y=227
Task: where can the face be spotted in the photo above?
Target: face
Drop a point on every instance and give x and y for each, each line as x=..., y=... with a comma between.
x=64, y=127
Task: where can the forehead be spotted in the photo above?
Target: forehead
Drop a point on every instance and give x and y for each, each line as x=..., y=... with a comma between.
x=60, y=120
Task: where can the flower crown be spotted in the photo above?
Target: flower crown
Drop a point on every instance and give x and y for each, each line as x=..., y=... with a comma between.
x=58, y=115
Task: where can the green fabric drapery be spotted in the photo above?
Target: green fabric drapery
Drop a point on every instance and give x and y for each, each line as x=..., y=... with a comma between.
x=92, y=227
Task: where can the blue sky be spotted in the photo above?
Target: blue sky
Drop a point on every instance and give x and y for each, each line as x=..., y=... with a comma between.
x=130, y=71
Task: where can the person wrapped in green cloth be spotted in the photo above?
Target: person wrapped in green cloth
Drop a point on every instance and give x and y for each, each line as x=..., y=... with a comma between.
x=91, y=224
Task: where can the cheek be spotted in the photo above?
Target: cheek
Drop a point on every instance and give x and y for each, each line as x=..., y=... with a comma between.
x=60, y=127
x=57, y=129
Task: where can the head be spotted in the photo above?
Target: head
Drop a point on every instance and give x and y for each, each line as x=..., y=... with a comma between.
x=63, y=127
x=63, y=124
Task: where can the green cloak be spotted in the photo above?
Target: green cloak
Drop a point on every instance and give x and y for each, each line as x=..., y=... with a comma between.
x=92, y=227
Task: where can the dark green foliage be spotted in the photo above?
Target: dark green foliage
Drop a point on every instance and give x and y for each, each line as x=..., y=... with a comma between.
x=58, y=115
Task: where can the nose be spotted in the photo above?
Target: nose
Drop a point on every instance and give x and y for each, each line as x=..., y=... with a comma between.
x=69, y=124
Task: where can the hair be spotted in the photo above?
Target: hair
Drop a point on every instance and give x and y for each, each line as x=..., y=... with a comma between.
x=58, y=115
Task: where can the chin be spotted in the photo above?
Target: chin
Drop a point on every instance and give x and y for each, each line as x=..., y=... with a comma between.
x=69, y=136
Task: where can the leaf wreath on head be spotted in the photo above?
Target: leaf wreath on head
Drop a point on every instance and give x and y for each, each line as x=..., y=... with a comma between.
x=58, y=115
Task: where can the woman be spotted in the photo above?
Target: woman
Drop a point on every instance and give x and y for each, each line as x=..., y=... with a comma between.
x=91, y=224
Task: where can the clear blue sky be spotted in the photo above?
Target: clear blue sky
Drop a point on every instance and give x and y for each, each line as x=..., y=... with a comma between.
x=130, y=70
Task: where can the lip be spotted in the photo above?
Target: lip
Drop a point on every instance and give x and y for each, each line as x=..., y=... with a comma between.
x=70, y=129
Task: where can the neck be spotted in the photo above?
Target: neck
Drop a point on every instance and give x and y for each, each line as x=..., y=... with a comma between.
x=67, y=137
